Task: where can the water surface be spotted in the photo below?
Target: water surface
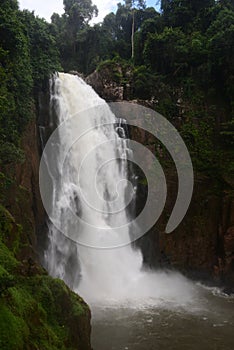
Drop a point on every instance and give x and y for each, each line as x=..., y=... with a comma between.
x=206, y=324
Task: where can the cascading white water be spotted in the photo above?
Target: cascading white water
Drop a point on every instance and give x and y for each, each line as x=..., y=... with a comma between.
x=96, y=190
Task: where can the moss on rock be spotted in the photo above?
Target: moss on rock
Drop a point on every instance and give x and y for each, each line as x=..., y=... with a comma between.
x=36, y=311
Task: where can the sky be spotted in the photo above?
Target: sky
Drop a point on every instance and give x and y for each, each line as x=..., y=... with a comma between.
x=46, y=8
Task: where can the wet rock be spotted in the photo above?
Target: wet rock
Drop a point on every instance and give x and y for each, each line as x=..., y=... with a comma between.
x=229, y=242
x=203, y=244
x=104, y=85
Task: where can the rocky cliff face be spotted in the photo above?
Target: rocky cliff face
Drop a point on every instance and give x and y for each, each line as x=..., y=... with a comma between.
x=36, y=311
x=203, y=245
x=105, y=86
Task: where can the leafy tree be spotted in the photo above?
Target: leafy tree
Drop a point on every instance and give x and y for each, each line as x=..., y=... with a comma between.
x=221, y=51
x=44, y=53
x=166, y=52
x=16, y=73
x=143, y=82
x=183, y=13
x=78, y=14
x=92, y=46
x=151, y=24
x=6, y=281
x=227, y=3
x=28, y=56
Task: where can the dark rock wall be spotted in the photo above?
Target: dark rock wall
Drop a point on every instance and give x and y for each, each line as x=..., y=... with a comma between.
x=104, y=85
x=42, y=312
x=203, y=245
x=23, y=199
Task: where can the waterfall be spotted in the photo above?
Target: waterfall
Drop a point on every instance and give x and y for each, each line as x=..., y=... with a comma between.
x=93, y=182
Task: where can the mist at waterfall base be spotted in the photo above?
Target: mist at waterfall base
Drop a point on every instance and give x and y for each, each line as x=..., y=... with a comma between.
x=92, y=182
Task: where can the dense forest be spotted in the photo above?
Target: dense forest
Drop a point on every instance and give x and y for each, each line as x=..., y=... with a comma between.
x=178, y=60
x=182, y=57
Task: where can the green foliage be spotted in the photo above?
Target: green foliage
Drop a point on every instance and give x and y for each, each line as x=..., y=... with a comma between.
x=28, y=55
x=15, y=72
x=200, y=140
x=183, y=62
x=7, y=259
x=9, y=234
x=71, y=30
x=6, y=280
x=36, y=311
x=183, y=13
x=31, y=303
x=44, y=54
x=143, y=82
x=5, y=184
x=166, y=52
x=13, y=330
x=9, y=153
x=114, y=69
x=221, y=50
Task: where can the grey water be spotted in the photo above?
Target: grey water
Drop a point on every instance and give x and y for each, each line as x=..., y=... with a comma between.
x=210, y=326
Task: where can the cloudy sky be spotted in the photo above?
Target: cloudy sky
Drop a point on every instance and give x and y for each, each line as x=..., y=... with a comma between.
x=47, y=8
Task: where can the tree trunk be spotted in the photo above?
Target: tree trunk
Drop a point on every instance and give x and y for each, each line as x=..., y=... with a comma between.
x=133, y=32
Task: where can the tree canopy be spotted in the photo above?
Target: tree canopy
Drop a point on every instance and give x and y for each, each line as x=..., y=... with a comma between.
x=184, y=53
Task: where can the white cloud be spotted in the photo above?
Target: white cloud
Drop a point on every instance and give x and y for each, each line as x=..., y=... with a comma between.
x=104, y=7
x=45, y=9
